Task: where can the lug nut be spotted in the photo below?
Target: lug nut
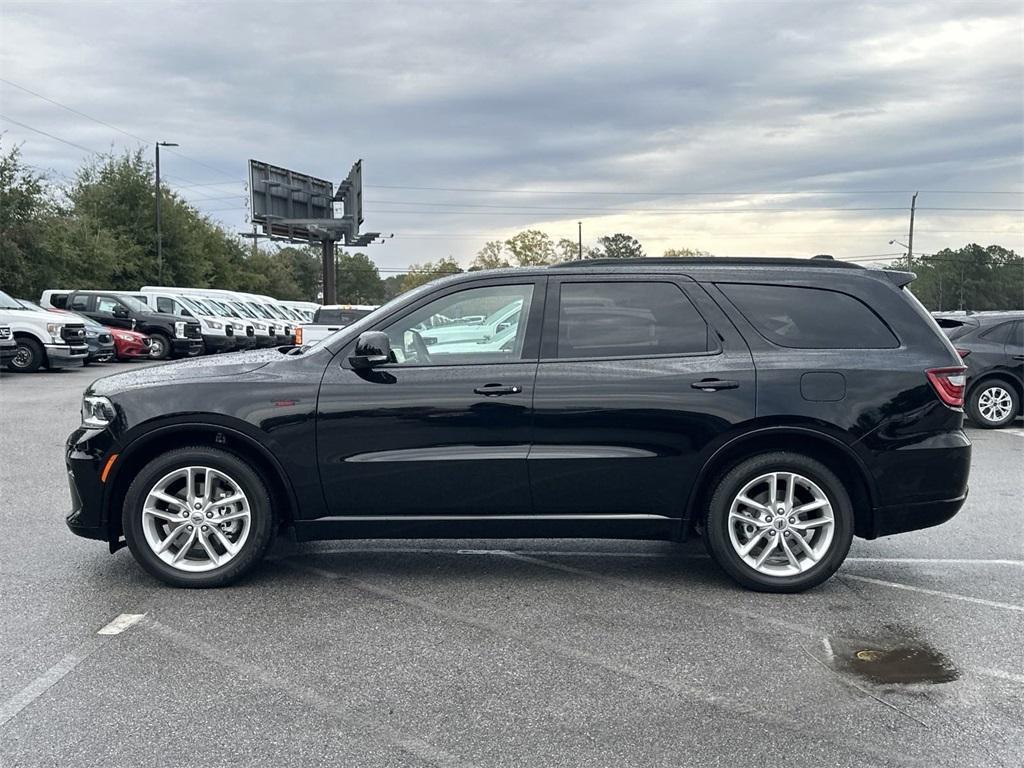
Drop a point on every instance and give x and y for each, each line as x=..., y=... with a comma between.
x=767, y=518
x=206, y=527
x=189, y=528
x=210, y=514
x=184, y=514
x=771, y=533
x=792, y=520
x=198, y=505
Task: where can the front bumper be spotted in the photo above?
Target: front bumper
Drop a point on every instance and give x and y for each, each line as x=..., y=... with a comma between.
x=64, y=356
x=8, y=352
x=186, y=346
x=85, y=455
x=101, y=353
x=220, y=343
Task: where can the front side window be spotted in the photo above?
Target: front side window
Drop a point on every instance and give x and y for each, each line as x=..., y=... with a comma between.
x=809, y=318
x=105, y=304
x=628, y=319
x=165, y=306
x=449, y=331
x=80, y=303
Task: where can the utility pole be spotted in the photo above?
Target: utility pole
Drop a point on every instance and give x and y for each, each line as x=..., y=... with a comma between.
x=580, y=256
x=159, y=235
x=910, y=238
x=328, y=267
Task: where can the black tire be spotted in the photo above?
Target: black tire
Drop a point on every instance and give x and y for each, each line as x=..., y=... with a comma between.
x=716, y=522
x=1003, y=393
x=262, y=517
x=30, y=356
x=160, y=348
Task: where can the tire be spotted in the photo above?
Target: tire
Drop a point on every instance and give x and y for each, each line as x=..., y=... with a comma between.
x=826, y=530
x=993, y=404
x=226, y=474
x=30, y=356
x=160, y=346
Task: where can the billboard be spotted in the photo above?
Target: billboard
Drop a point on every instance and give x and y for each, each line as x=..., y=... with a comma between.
x=278, y=194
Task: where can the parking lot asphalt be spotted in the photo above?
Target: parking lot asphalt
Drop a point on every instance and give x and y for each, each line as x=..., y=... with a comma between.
x=502, y=653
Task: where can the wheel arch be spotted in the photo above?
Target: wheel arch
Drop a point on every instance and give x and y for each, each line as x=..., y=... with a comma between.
x=154, y=442
x=1004, y=376
x=831, y=451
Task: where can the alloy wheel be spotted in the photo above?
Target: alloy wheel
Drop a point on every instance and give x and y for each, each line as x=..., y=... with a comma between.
x=995, y=404
x=781, y=524
x=196, y=519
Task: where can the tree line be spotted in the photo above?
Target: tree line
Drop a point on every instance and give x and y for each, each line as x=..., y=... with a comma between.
x=98, y=230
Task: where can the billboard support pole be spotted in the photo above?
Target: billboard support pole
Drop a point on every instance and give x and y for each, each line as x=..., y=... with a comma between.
x=328, y=267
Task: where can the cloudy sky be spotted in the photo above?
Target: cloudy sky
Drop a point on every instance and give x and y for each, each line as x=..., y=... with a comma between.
x=743, y=128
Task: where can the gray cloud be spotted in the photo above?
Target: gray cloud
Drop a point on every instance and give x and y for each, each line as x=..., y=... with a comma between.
x=586, y=97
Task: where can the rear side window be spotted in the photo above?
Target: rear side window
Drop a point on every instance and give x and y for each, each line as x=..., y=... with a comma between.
x=80, y=303
x=809, y=318
x=622, y=319
x=1000, y=334
x=339, y=316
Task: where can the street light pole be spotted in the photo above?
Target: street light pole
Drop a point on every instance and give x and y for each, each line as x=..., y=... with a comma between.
x=159, y=235
x=910, y=239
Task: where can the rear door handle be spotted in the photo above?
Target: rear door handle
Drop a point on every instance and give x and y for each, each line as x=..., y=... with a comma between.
x=1018, y=357
x=713, y=385
x=493, y=390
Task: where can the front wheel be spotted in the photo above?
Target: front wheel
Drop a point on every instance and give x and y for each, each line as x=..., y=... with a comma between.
x=198, y=517
x=159, y=346
x=29, y=357
x=993, y=404
x=779, y=522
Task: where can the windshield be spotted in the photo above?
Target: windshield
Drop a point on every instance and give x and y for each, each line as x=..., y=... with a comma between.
x=260, y=311
x=6, y=302
x=220, y=307
x=30, y=305
x=194, y=306
x=242, y=310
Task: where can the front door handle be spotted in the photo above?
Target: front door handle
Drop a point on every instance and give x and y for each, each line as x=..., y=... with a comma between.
x=1018, y=357
x=493, y=390
x=713, y=385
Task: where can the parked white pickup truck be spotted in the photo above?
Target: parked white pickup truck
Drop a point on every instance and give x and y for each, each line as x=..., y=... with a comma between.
x=53, y=339
x=328, y=319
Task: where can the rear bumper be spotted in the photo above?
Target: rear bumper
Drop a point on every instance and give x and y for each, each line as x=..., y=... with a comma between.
x=63, y=356
x=921, y=484
x=913, y=517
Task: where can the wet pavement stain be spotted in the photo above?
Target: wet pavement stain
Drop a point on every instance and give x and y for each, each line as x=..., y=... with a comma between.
x=899, y=658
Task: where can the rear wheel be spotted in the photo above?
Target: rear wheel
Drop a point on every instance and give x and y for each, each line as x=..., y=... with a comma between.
x=198, y=517
x=779, y=522
x=29, y=357
x=993, y=404
x=159, y=346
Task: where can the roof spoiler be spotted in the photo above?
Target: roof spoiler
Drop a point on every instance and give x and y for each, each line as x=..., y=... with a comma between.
x=899, y=278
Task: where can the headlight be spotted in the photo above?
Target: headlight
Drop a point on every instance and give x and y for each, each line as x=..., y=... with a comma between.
x=260, y=326
x=97, y=412
x=54, y=330
x=238, y=327
x=215, y=325
x=123, y=336
x=179, y=329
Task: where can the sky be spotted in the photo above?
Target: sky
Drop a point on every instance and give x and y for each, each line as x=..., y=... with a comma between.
x=741, y=128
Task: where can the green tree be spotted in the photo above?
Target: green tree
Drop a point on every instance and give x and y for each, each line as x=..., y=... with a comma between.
x=685, y=253
x=26, y=213
x=491, y=256
x=392, y=286
x=617, y=246
x=304, y=265
x=531, y=248
x=420, y=274
x=358, y=280
x=568, y=250
x=973, y=277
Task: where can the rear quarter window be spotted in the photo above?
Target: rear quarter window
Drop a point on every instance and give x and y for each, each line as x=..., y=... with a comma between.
x=809, y=318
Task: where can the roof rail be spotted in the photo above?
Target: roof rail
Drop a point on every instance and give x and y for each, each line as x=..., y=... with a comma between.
x=712, y=261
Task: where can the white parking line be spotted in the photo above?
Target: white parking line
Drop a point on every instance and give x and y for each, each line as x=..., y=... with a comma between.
x=10, y=708
x=1014, y=432
x=937, y=593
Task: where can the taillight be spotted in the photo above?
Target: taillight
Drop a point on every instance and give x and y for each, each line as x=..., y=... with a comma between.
x=298, y=335
x=963, y=353
x=949, y=383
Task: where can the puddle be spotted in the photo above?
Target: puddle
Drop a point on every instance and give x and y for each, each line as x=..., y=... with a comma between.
x=899, y=658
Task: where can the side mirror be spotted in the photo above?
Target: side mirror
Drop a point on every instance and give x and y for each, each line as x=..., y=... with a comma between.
x=373, y=348
x=120, y=311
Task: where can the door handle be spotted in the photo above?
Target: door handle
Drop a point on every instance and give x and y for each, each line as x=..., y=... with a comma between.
x=1018, y=357
x=713, y=385
x=493, y=390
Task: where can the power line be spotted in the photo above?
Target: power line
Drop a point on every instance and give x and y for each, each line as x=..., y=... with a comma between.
x=671, y=193
x=50, y=135
x=108, y=125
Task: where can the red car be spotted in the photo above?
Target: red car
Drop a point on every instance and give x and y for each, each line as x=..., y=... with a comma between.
x=129, y=344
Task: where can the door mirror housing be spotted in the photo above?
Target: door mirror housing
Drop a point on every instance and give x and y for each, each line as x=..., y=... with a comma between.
x=120, y=311
x=373, y=348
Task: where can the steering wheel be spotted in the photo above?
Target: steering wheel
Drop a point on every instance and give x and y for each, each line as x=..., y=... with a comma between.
x=420, y=348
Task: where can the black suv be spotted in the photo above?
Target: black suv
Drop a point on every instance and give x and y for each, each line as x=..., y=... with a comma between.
x=776, y=407
x=992, y=346
x=170, y=335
